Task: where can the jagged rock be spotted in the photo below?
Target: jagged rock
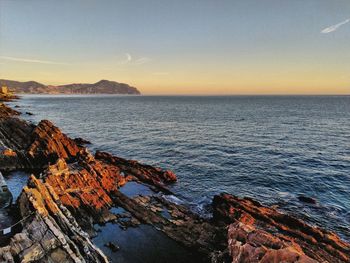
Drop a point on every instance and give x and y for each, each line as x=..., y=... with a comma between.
x=316, y=243
x=49, y=144
x=50, y=232
x=14, y=139
x=6, y=111
x=145, y=173
x=32, y=147
x=248, y=244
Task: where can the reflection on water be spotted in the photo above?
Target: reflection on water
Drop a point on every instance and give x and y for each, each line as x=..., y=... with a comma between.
x=15, y=182
x=142, y=244
x=133, y=189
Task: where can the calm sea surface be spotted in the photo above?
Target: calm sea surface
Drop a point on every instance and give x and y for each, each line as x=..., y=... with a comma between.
x=271, y=148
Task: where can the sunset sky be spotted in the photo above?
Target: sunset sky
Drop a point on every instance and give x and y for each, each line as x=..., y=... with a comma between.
x=181, y=47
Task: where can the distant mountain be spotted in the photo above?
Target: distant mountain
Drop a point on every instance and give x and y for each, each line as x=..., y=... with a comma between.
x=100, y=87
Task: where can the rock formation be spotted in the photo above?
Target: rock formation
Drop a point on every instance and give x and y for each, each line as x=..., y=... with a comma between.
x=258, y=231
x=145, y=173
x=50, y=232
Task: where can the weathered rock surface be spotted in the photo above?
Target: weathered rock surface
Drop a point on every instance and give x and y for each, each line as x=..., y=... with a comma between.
x=14, y=139
x=84, y=187
x=6, y=111
x=145, y=173
x=31, y=147
x=249, y=219
x=248, y=244
x=50, y=233
x=48, y=144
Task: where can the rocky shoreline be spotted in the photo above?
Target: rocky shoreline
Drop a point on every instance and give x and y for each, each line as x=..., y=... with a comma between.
x=71, y=190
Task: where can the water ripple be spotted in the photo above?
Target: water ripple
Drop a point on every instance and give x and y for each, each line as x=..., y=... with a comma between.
x=270, y=148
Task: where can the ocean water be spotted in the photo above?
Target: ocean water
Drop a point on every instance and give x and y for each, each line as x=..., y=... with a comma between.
x=272, y=148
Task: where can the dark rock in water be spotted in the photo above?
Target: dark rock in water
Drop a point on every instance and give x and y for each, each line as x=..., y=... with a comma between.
x=112, y=246
x=307, y=199
x=17, y=106
x=81, y=141
x=29, y=113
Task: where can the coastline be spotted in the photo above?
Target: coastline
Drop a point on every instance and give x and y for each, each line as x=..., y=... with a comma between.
x=72, y=179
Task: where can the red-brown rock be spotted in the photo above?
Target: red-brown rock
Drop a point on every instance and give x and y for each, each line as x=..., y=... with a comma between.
x=316, y=243
x=145, y=173
x=49, y=144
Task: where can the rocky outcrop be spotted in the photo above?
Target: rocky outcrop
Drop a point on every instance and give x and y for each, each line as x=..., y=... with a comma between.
x=14, y=139
x=50, y=233
x=249, y=244
x=145, y=173
x=7, y=96
x=49, y=144
x=25, y=146
x=6, y=111
x=85, y=186
x=246, y=216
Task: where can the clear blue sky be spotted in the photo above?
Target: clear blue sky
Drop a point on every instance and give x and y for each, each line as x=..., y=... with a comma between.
x=216, y=47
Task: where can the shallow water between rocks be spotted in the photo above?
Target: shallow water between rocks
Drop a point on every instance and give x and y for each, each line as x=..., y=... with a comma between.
x=141, y=244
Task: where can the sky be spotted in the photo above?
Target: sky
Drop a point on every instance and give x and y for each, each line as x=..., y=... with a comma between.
x=180, y=47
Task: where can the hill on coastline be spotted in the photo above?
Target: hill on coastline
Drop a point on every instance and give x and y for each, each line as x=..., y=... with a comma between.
x=100, y=87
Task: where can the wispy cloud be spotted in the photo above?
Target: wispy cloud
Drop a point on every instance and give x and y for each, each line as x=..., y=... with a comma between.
x=131, y=61
x=27, y=60
x=335, y=27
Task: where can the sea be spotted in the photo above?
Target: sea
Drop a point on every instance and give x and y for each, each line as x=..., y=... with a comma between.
x=274, y=149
